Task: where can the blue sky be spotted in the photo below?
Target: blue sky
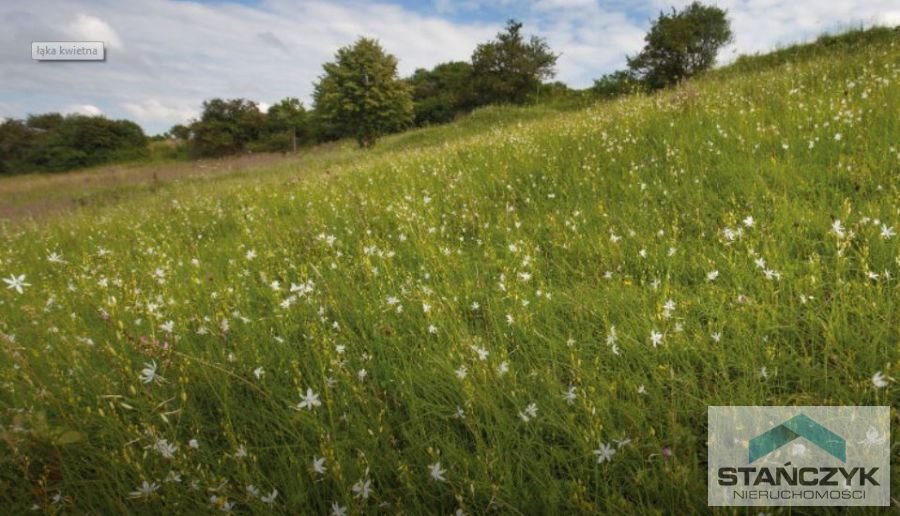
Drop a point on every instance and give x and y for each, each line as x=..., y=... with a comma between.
x=166, y=56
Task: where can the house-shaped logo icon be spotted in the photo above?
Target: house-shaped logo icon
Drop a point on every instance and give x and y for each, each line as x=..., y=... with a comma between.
x=798, y=426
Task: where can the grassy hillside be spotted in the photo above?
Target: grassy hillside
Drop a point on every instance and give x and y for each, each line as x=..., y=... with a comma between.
x=37, y=197
x=468, y=317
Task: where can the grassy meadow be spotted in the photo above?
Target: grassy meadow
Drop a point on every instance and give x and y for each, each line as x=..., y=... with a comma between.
x=525, y=312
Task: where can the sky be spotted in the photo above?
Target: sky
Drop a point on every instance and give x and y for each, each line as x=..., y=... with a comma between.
x=165, y=57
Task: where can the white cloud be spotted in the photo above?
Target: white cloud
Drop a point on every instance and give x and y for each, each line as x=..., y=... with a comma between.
x=889, y=18
x=154, y=109
x=172, y=55
x=556, y=5
x=90, y=28
x=82, y=109
x=592, y=41
x=7, y=110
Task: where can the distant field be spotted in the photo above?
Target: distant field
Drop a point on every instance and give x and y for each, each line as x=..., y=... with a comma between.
x=526, y=312
x=41, y=196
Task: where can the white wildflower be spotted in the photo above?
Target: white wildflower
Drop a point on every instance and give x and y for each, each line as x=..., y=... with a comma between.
x=529, y=413
x=165, y=448
x=362, y=488
x=269, y=499
x=604, y=453
x=436, y=472
x=309, y=401
x=318, y=465
x=570, y=395
x=880, y=381
x=16, y=283
x=837, y=228
x=149, y=375
x=145, y=490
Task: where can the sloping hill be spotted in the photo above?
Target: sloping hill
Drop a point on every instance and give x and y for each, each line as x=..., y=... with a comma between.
x=471, y=320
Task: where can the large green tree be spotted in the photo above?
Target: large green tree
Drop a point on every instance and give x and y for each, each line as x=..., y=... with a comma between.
x=681, y=44
x=361, y=95
x=286, y=125
x=443, y=92
x=509, y=68
x=226, y=127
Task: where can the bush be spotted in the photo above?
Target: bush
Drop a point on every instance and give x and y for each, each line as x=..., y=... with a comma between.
x=51, y=142
x=226, y=127
x=616, y=84
x=444, y=92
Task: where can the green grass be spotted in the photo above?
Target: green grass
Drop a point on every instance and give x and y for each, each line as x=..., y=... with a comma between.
x=516, y=241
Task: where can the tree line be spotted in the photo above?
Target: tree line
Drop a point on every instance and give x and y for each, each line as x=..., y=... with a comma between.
x=360, y=95
x=52, y=142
